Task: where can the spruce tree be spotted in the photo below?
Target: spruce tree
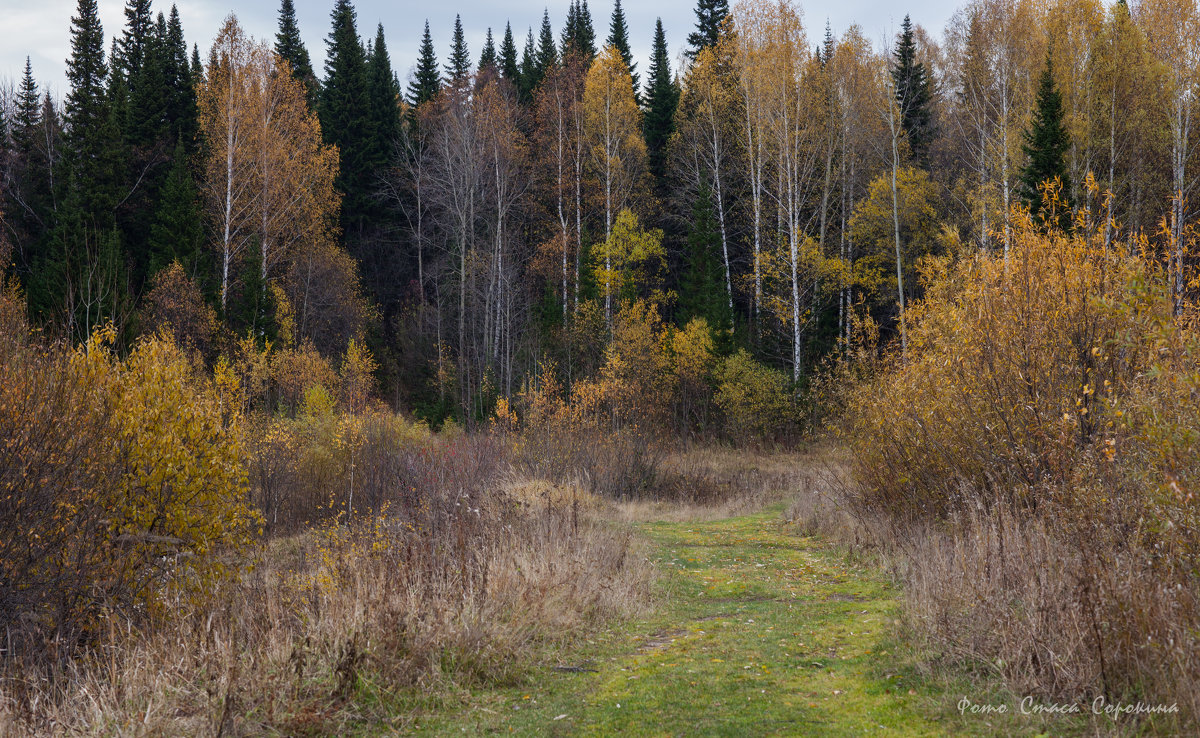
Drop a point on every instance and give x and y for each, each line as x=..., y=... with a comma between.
x=458, y=68
x=1046, y=144
x=661, y=100
x=487, y=57
x=547, y=55
x=26, y=113
x=147, y=85
x=710, y=15
x=385, y=100
x=618, y=36
x=182, y=112
x=29, y=201
x=196, y=67
x=914, y=94
x=130, y=52
x=579, y=36
x=87, y=121
x=290, y=47
x=702, y=292
x=509, y=66
x=177, y=233
x=529, y=72
x=426, y=79
x=346, y=116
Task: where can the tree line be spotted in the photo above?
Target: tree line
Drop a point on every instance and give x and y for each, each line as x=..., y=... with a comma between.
x=508, y=205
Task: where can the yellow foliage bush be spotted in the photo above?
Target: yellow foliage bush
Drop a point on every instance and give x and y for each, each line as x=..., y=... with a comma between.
x=757, y=401
x=121, y=484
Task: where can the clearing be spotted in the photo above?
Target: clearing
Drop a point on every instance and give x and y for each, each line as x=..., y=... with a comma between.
x=756, y=631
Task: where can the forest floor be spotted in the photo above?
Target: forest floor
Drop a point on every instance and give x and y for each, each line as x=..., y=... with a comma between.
x=756, y=630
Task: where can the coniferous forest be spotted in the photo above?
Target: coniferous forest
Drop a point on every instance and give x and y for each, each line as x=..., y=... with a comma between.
x=377, y=392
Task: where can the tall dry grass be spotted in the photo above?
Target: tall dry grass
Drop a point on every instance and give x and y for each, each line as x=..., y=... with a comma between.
x=455, y=584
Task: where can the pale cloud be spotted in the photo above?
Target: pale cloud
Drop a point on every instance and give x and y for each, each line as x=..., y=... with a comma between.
x=41, y=28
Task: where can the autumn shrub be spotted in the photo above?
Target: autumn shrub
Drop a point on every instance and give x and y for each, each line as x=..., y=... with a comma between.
x=121, y=488
x=757, y=401
x=1032, y=459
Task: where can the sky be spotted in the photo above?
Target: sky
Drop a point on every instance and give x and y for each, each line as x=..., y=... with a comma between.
x=41, y=28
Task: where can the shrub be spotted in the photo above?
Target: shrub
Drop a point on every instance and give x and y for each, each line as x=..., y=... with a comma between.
x=121, y=486
x=756, y=400
x=1033, y=457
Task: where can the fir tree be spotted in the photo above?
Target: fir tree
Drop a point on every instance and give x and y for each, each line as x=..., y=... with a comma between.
x=529, y=72
x=130, y=54
x=487, y=58
x=149, y=93
x=426, y=80
x=509, y=67
x=346, y=115
x=90, y=141
x=702, y=292
x=547, y=54
x=385, y=100
x=828, y=45
x=177, y=233
x=181, y=110
x=458, y=68
x=914, y=94
x=618, y=36
x=1046, y=144
x=196, y=67
x=661, y=100
x=579, y=36
x=290, y=47
x=86, y=74
x=710, y=15
x=26, y=113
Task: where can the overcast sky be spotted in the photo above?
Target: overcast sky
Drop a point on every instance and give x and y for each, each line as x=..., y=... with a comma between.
x=41, y=28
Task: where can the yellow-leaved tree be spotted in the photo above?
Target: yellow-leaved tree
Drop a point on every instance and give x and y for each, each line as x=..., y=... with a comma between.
x=631, y=262
x=613, y=129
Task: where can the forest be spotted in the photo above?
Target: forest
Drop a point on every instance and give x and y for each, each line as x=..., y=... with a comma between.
x=369, y=391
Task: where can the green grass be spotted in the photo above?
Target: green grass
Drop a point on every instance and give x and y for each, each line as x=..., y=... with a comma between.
x=756, y=631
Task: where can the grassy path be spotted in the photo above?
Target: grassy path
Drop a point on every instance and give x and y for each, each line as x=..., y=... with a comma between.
x=758, y=632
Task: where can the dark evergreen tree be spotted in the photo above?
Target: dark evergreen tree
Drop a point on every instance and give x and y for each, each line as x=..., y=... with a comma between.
x=26, y=112
x=290, y=47
x=130, y=53
x=547, y=54
x=579, y=36
x=426, y=79
x=828, y=45
x=529, y=71
x=182, y=113
x=1046, y=144
x=487, y=58
x=458, y=68
x=28, y=200
x=149, y=93
x=177, y=233
x=88, y=142
x=618, y=36
x=661, y=100
x=702, y=292
x=346, y=117
x=385, y=100
x=509, y=66
x=196, y=67
x=914, y=94
x=710, y=15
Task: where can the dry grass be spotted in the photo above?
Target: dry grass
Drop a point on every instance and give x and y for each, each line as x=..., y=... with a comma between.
x=461, y=583
x=710, y=482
